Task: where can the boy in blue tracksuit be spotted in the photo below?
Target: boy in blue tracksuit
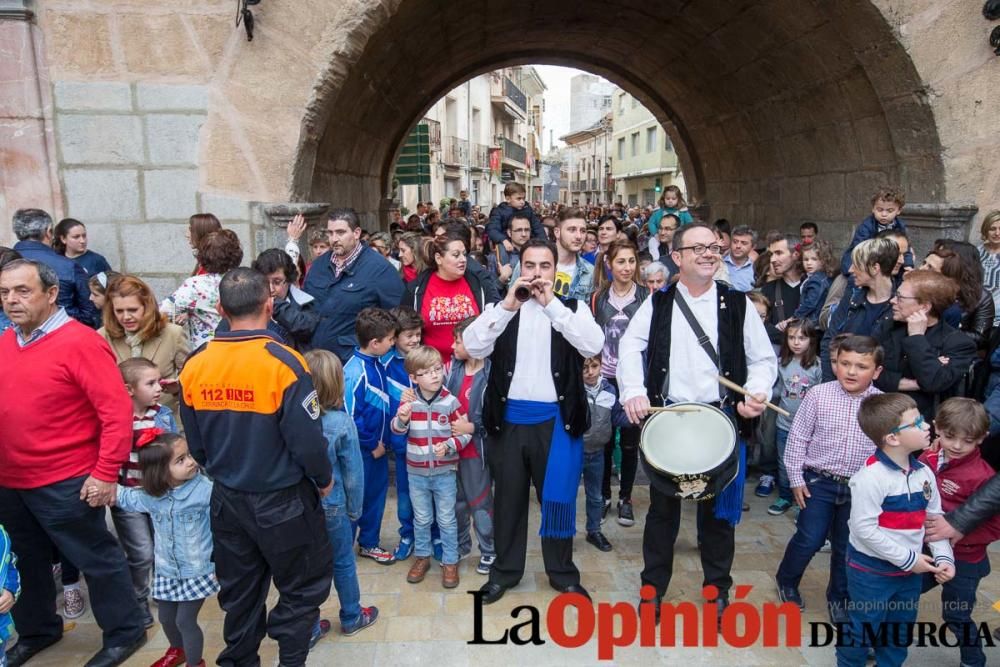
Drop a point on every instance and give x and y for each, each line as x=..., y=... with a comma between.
x=10, y=581
x=886, y=205
x=409, y=327
x=366, y=399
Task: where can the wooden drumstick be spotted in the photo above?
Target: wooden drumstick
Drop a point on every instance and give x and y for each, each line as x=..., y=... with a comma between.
x=670, y=408
x=735, y=387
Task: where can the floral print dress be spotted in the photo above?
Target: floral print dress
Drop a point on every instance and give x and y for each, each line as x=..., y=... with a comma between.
x=195, y=302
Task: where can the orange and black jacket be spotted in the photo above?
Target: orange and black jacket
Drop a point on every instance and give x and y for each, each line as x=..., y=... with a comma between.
x=251, y=415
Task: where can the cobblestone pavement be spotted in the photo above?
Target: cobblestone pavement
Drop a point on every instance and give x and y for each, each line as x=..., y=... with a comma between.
x=424, y=624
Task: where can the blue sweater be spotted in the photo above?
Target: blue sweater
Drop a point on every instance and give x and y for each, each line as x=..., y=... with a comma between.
x=92, y=263
x=814, y=291
x=366, y=399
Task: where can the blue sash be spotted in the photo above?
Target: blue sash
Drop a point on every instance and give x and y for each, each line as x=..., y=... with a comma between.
x=562, y=471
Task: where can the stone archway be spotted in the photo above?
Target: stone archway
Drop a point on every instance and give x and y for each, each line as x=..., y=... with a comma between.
x=775, y=105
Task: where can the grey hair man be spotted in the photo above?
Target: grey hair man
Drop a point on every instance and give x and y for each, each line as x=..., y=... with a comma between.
x=33, y=228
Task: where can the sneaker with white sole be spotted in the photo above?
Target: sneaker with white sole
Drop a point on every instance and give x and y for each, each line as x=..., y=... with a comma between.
x=377, y=554
x=485, y=563
x=368, y=616
x=779, y=507
x=765, y=486
x=625, y=515
x=73, y=603
x=403, y=550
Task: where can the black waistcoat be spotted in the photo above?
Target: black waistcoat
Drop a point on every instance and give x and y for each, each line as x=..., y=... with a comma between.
x=567, y=376
x=732, y=309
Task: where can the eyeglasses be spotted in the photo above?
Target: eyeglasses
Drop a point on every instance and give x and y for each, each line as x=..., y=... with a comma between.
x=917, y=423
x=437, y=370
x=277, y=282
x=700, y=249
x=900, y=296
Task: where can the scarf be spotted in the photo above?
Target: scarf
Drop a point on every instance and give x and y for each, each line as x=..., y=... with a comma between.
x=729, y=503
x=134, y=341
x=562, y=470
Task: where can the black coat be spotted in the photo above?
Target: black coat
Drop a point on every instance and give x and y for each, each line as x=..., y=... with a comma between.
x=916, y=357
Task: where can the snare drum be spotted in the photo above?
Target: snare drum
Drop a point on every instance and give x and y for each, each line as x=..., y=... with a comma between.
x=692, y=455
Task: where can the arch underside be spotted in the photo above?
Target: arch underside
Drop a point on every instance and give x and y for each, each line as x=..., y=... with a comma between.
x=772, y=108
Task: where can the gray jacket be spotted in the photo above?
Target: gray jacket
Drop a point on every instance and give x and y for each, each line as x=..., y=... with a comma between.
x=605, y=414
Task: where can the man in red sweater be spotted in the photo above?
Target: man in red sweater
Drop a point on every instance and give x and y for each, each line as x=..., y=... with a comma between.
x=65, y=430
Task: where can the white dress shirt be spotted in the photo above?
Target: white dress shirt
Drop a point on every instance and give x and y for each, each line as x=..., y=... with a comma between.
x=692, y=373
x=532, y=379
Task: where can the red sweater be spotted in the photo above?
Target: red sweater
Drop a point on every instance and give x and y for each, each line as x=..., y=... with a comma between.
x=957, y=480
x=64, y=410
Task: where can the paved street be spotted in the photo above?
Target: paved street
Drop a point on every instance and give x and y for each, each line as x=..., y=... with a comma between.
x=424, y=624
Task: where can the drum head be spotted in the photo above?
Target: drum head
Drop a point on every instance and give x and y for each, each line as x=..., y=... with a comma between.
x=688, y=443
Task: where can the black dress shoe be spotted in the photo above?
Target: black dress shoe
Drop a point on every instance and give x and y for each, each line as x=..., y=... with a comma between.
x=598, y=540
x=720, y=605
x=657, y=601
x=575, y=588
x=492, y=592
x=116, y=655
x=23, y=651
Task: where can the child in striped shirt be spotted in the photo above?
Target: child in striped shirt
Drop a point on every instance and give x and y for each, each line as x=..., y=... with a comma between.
x=891, y=497
x=149, y=419
x=426, y=416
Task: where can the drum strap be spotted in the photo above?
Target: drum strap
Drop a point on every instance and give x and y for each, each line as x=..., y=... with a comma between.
x=703, y=339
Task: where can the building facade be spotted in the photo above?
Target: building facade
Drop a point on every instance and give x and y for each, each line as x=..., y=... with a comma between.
x=588, y=162
x=589, y=100
x=643, y=160
x=484, y=134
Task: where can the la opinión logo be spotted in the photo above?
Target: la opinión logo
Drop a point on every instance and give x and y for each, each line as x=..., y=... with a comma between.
x=619, y=624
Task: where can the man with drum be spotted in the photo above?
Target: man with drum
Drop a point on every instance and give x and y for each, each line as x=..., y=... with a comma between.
x=535, y=413
x=678, y=367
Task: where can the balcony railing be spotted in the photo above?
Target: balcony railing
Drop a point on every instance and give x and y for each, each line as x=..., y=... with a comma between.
x=464, y=153
x=513, y=151
x=505, y=94
x=455, y=151
x=581, y=186
x=511, y=90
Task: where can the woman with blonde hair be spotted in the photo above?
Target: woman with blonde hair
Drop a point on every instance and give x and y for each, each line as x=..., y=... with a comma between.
x=989, y=257
x=411, y=256
x=135, y=327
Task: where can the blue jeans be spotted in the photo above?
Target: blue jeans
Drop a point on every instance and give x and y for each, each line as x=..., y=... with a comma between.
x=593, y=478
x=345, y=573
x=784, y=488
x=958, y=598
x=3, y=653
x=877, y=599
x=826, y=513
x=433, y=496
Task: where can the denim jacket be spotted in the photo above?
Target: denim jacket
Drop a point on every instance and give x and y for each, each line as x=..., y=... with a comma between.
x=345, y=458
x=583, y=282
x=182, y=535
x=453, y=384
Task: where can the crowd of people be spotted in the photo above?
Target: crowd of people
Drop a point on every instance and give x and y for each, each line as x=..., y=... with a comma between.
x=245, y=429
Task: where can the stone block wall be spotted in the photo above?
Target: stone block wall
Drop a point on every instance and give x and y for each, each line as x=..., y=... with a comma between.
x=129, y=163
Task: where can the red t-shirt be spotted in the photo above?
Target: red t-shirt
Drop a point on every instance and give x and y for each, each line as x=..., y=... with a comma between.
x=445, y=304
x=468, y=452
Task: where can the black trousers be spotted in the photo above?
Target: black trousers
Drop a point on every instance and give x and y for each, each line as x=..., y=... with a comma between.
x=257, y=537
x=54, y=516
x=517, y=461
x=717, y=538
x=630, y=459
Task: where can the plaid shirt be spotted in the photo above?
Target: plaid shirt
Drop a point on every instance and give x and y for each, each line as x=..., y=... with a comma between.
x=825, y=434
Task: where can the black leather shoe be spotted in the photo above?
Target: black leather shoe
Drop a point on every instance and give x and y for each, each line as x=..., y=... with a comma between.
x=23, y=652
x=657, y=601
x=116, y=655
x=492, y=592
x=598, y=540
x=575, y=588
x=720, y=606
